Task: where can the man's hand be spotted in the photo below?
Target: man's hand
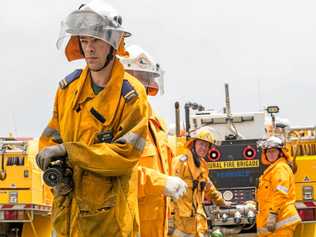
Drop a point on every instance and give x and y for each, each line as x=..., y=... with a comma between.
x=175, y=187
x=45, y=156
x=271, y=221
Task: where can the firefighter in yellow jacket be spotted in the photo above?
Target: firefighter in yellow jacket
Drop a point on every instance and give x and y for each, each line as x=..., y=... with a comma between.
x=277, y=215
x=154, y=182
x=190, y=217
x=99, y=125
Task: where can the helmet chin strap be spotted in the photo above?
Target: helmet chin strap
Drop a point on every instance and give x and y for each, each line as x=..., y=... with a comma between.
x=196, y=158
x=109, y=58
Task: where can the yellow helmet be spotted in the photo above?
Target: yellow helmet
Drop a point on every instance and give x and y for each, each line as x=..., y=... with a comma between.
x=204, y=134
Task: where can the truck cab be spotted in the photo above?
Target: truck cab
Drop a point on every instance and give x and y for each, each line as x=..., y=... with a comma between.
x=25, y=201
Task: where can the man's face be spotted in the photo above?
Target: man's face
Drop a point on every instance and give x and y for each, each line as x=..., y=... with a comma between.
x=95, y=51
x=201, y=148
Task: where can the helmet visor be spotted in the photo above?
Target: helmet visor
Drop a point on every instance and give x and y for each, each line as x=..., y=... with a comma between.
x=88, y=23
x=271, y=142
x=152, y=80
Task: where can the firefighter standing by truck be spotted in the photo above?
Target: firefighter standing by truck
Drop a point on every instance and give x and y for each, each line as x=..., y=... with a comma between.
x=190, y=218
x=277, y=215
x=154, y=168
x=100, y=117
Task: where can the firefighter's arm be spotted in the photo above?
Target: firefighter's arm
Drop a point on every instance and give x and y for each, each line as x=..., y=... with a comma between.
x=150, y=182
x=280, y=183
x=119, y=157
x=51, y=135
x=212, y=193
x=170, y=159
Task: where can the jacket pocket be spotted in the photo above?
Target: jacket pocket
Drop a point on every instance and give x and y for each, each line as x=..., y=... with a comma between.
x=184, y=205
x=96, y=192
x=152, y=208
x=61, y=214
x=101, y=222
x=264, y=192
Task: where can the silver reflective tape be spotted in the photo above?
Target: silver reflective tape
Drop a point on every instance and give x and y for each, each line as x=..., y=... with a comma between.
x=282, y=189
x=280, y=224
x=134, y=139
x=287, y=221
x=179, y=233
x=50, y=132
x=262, y=230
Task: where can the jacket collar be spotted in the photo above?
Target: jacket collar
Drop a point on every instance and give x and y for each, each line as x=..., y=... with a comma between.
x=280, y=160
x=107, y=100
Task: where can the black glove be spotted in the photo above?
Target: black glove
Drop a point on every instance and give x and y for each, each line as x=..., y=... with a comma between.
x=195, y=184
x=202, y=185
x=47, y=155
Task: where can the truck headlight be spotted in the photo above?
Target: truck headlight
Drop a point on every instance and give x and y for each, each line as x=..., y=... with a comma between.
x=13, y=197
x=308, y=192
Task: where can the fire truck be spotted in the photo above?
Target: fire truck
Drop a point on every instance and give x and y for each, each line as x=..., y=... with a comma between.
x=25, y=202
x=234, y=164
x=235, y=167
x=301, y=143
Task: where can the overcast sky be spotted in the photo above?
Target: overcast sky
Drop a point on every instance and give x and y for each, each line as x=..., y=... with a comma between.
x=265, y=50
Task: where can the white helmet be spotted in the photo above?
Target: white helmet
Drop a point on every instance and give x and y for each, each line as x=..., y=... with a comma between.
x=142, y=66
x=96, y=19
x=272, y=142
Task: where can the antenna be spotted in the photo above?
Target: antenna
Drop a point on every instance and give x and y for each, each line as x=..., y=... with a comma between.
x=229, y=114
x=227, y=101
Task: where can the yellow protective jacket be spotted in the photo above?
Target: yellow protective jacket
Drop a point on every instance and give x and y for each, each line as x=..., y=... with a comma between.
x=104, y=136
x=276, y=194
x=154, y=169
x=190, y=217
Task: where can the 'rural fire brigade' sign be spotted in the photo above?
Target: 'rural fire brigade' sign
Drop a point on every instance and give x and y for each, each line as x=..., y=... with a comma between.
x=233, y=164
